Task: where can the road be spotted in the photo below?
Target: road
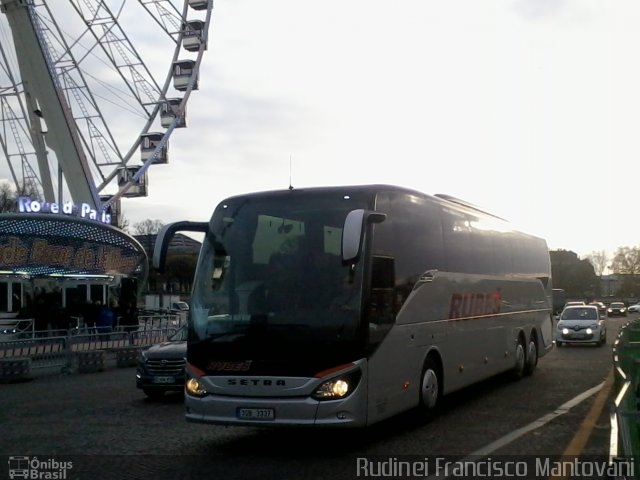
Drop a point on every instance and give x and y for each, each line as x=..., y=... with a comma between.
x=108, y=429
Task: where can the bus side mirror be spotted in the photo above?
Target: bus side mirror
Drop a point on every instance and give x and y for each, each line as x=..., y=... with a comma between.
x=166, y=233
x=353, y=229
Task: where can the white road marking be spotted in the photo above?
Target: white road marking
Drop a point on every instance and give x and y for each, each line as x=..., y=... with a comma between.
x=510, y=437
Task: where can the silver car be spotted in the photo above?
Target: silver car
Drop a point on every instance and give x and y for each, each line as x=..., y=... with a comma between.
x=634, y=308
x=581, y=324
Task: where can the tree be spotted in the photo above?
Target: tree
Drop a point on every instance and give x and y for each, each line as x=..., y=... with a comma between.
x=147, y=227
x=123, y=223
x=575, y=276
x=180, y=270
x=599, y=260
x=146, y=232
x=626, y=261
x=9, y=196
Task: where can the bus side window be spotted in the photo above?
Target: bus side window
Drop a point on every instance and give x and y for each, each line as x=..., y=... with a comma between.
x=382, y=301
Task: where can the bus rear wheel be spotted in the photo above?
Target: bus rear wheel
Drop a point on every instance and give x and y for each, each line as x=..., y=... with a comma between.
x=532, y=357
x=430, y=388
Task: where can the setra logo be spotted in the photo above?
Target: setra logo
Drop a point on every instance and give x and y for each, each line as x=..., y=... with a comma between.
x=263, y=382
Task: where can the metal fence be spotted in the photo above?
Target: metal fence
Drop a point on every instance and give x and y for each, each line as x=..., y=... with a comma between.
x=60, y=349
x=17, y=326
x=625, y=412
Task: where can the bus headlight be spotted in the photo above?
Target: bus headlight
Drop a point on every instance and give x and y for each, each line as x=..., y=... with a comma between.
x=338, y=387
x=195, y=388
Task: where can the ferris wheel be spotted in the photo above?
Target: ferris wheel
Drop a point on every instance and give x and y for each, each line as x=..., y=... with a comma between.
x=91, y=90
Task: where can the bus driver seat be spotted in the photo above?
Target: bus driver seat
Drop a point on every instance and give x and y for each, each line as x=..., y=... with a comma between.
x=279, y=281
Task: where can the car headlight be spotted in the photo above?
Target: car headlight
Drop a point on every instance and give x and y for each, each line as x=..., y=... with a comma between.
x=589, y=331
x=142, y=356
x=609, y=310
x=565, y=331
x=337, y=387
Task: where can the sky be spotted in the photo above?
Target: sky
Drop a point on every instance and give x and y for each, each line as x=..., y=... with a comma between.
x=528, y=108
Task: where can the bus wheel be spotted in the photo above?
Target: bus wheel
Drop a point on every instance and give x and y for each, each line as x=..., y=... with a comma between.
x=532, y=358
x=519, y=368
x=430, y=388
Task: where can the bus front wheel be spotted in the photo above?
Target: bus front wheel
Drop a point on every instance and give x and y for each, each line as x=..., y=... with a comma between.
x=430, y=388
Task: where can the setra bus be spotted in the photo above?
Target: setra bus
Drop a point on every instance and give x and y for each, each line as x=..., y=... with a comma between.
x=343, y=306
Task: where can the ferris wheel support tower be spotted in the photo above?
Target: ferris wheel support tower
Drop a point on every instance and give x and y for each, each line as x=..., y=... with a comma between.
x=45, y=100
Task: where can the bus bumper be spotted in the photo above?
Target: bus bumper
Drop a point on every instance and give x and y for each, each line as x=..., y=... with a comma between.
x=280, y=411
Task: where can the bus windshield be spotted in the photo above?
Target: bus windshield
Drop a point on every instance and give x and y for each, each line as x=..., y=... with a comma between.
x=270, y=281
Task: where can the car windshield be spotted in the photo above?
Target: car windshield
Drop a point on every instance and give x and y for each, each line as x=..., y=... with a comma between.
x=580, y=314
x=180, y=335
x=617, y=305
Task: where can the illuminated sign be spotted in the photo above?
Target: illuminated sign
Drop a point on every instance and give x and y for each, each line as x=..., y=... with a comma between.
x=84, y=257
x=45, y=244
x=27, y=205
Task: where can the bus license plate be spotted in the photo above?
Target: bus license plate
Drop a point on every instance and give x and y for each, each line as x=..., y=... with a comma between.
x=163, y=380
x=256, y=414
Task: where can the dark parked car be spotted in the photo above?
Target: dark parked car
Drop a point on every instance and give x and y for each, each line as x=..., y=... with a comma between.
x=617, y=309
x=161, y=366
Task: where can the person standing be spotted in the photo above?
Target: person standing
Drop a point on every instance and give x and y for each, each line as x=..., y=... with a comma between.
x=106, y=319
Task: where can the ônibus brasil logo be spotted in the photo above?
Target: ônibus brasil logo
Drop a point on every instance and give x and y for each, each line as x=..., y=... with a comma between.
x=33, y=468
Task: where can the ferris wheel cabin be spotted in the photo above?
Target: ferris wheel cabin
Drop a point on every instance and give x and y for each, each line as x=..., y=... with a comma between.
x=149, y=142
x=169, y=110
x=183, y=70
x=199, y=4
x=139, y=188
x=192, y=35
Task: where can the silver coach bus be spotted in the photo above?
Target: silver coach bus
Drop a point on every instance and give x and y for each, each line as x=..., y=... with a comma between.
x=343, y=306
